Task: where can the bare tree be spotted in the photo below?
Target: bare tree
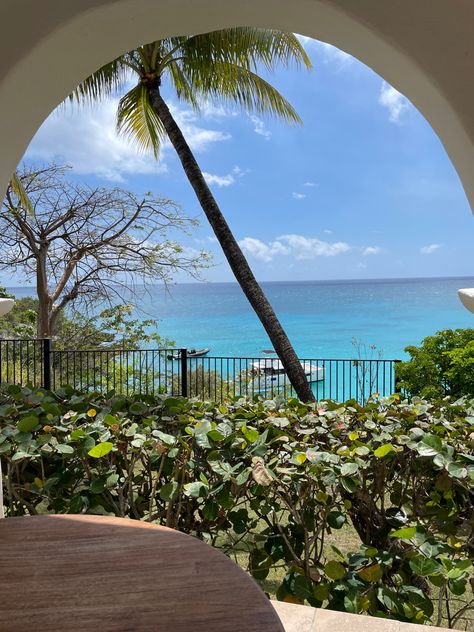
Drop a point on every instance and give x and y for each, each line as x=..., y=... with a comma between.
x=88, y=244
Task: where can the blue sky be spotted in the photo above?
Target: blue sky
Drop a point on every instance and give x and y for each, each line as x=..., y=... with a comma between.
x=364, y=189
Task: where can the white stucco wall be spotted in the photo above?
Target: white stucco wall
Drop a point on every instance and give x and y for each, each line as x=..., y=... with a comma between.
x=424, y=48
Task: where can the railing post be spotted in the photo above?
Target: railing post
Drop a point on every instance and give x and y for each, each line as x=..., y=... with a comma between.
x=47, y=363
x=184, y=372
x=398, y=388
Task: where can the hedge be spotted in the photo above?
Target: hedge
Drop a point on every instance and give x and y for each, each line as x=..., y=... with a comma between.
x=268, y=482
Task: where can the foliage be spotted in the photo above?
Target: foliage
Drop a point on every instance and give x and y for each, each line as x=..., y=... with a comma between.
x=204, y=383
x=88, y=245
x=220, y=68
x=4, y=293
x=112, y=328
x=82, y=349
x=274, y=479
x=442, y=365
x=21, y=321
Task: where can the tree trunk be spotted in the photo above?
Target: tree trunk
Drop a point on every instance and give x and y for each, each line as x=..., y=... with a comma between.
x=233, y=253
x=44, y=299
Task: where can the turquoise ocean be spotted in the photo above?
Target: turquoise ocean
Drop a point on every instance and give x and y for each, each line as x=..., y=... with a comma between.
x=320, y=317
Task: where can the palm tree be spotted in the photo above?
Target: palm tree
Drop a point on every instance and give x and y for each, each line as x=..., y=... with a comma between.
x=218, y=67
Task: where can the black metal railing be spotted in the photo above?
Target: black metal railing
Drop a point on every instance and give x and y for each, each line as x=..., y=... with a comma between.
x=22, y=361
x=176, y=372
x=125, y=371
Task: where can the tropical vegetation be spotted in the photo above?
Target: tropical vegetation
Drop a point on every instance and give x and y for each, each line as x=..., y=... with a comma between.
x=363, y=509
x=86, y=245
x=111, y=328
x=442, y=365
x=221, y=68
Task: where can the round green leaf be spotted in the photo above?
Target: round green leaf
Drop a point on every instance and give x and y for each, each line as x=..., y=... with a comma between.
x=196, y=489
x=370, y=551
x=28, y=423
x=418, y=599
x=404, y=534
x=349, y=468
x=383, y=450
x=457, y=586
x=457, y=471
x=321, y=591
x=336, y=519
x=372, y=573
x=98, y=486
x=101, y=449
x=334, y=570
x=424, y=566
x=260, y=564
x=64, y=448
x=168, y=491
x=430, y=445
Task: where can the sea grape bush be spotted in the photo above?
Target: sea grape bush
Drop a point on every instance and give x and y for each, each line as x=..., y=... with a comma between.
x=442, y=365
x=268, y=482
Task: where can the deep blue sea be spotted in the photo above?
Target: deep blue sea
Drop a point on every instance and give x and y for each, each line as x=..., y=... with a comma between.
x=320, y=317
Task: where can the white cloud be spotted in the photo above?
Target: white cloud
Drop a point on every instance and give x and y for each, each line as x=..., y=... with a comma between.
x=327, y=231
x=227, y=180
x=210, y=239
x=261, y=251
x=197, y=137
x=237, y=171
x=310, y=184
x=297, y=246
x=371, y=250
x=310, y=247
x=298, y=196
x=259, y=127
x=394, y=101
x=220, y=181
x=428, y=250
x=208, y=110
x=86, y=139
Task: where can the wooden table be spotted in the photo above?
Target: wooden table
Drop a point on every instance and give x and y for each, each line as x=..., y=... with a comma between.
x=69, y=572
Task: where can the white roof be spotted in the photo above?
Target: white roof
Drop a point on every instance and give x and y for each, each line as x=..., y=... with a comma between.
x=274, y=364
x=268, y=363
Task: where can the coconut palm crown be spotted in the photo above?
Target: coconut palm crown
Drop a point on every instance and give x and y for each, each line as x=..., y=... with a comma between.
x=219, y=68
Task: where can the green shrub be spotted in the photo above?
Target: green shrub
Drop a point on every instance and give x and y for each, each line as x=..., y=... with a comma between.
x=442, y=365
x=203, y=382
x=270, y=483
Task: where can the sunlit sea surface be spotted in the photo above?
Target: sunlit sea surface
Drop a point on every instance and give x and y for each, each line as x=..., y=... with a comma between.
x=321, y=317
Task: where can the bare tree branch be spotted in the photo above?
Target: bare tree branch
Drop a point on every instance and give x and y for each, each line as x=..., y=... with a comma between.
x=89, y=244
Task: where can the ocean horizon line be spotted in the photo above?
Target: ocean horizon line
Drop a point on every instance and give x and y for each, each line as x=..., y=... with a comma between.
x=296, y=281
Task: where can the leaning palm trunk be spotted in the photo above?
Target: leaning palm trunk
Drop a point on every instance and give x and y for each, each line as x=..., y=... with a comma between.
x=232, y=251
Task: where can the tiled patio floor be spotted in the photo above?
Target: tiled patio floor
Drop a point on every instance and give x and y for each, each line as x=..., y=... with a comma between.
x=297, y=618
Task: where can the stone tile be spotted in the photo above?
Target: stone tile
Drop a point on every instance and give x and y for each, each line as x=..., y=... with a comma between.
x=297, y=618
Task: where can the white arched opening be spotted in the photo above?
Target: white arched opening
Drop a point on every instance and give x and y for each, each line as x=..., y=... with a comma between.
x=424, y=49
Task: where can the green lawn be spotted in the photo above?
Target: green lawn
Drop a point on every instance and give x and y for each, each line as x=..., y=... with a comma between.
x=346, y=540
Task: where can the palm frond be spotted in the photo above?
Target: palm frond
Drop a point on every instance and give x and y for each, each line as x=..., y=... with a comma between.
x=104, y=82
x=138, y=121
x=184, y=89
x=240, y=86
x=20, y=191
x=221, y=67
x=247, y=47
